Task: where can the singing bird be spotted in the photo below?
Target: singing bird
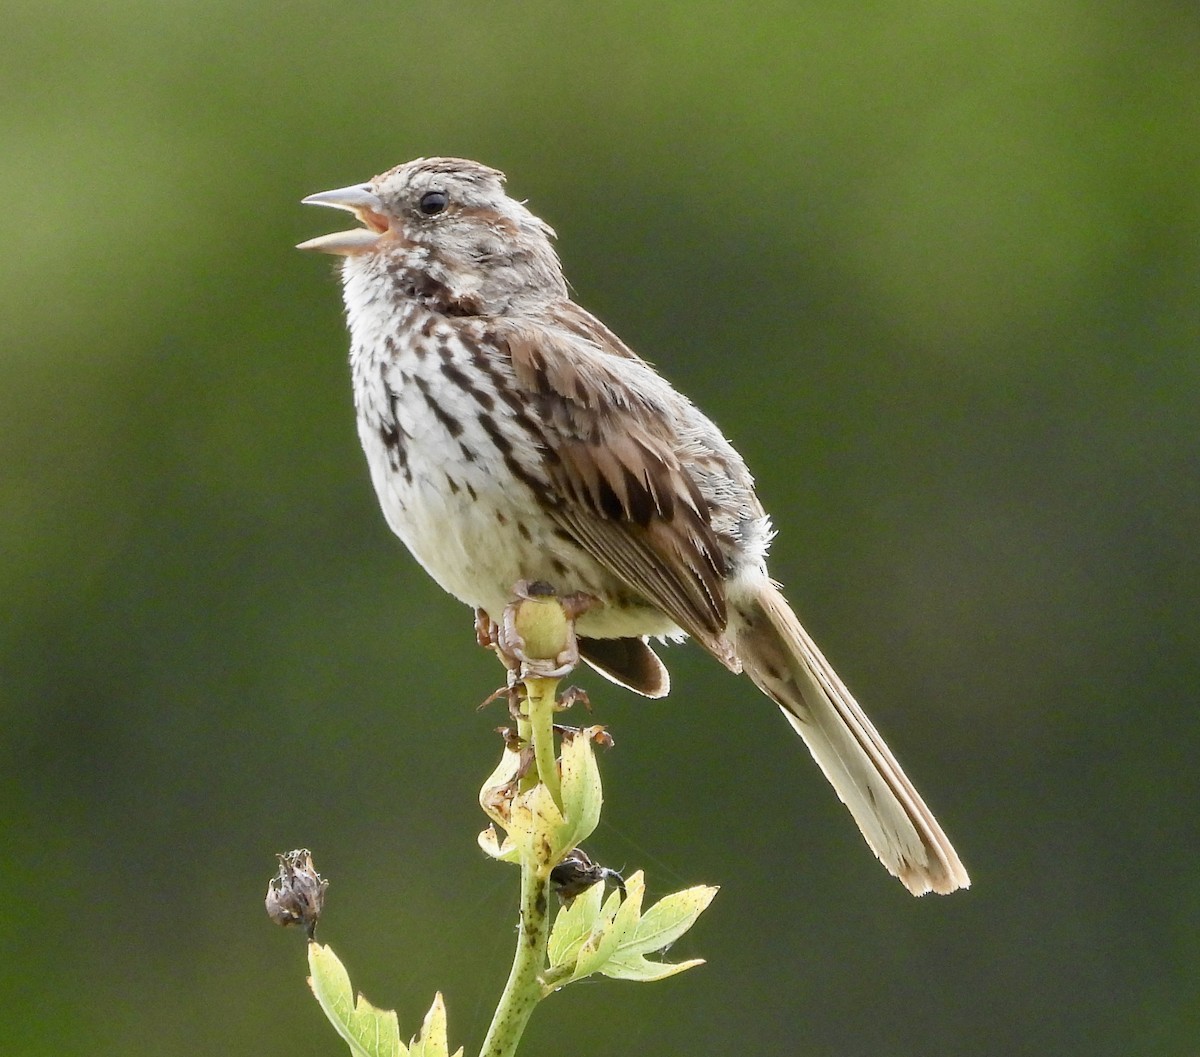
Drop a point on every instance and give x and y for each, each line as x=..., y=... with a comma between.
x=512, y=436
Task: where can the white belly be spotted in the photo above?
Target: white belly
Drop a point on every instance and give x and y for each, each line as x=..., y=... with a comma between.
x=475, y=527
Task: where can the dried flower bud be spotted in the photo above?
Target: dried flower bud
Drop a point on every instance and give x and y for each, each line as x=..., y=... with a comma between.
x=577, y=873
x=512, y=740
x=296, y=894
x=598, y=734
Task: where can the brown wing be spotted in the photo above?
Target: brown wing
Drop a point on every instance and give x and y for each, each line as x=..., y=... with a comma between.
x=621, y=489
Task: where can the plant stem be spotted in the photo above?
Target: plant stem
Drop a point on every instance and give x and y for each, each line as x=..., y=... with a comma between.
x=523, y=990
x=540, y=707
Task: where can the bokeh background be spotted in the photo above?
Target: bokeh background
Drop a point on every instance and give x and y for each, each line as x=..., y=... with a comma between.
x=935, y=268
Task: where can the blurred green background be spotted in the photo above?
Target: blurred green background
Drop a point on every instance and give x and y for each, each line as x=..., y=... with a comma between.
x=933, y=266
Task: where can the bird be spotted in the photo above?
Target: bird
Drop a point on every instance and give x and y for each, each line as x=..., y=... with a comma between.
x=511, y=436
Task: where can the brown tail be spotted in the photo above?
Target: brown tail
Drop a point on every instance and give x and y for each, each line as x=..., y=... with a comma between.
x=781, y=658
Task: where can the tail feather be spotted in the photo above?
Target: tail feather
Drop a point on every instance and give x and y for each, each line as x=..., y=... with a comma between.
x=782, y=659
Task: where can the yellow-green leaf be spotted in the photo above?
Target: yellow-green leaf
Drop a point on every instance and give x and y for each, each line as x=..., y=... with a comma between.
x=573, y=925
x=582, y=794
x=637, y=967
x=627, y=919
x=601, y=944
x=537, y=827
x=431, y=1042
x=505, y=851
x=493, y=804
x=367, y=1030
x=668, y=919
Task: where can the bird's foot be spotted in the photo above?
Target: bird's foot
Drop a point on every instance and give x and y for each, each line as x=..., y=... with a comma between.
x=486, y=629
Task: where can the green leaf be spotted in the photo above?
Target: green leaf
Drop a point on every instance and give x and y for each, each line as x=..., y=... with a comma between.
x=504, y=851
x=636, y=967
x=582, y=793
x=609, y=937
x=532, y=820
x=368, y=1030
x=573, y=925
x=614, y=928
x=601, y=943
x=537, y=827
x=668, y=919
x=631, y=907
x=494, y=805
x=431, y=1041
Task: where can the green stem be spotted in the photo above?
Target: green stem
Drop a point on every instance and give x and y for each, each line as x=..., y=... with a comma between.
x=540, y=707
x=524, y=989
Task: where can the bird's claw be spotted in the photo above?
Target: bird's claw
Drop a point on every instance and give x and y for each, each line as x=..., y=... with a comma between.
x=486, y=630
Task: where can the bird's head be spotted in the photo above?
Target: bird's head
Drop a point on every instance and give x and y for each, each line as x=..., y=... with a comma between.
x=447, y=223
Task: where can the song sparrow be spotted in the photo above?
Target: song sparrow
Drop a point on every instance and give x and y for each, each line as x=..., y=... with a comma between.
x=512, y=436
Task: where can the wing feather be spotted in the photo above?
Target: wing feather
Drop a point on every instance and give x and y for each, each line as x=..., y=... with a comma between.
x=618, y=485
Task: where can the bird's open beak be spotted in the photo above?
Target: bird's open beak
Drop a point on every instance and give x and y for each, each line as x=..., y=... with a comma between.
x=364, y=204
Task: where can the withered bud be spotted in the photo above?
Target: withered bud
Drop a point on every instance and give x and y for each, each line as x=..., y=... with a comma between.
x=577, y=873
x=572, y=696
x=512, y=740
x=598, y=734
x=296, y=894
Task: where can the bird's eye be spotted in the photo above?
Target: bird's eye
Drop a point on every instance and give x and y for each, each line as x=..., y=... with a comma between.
x=433, y=202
